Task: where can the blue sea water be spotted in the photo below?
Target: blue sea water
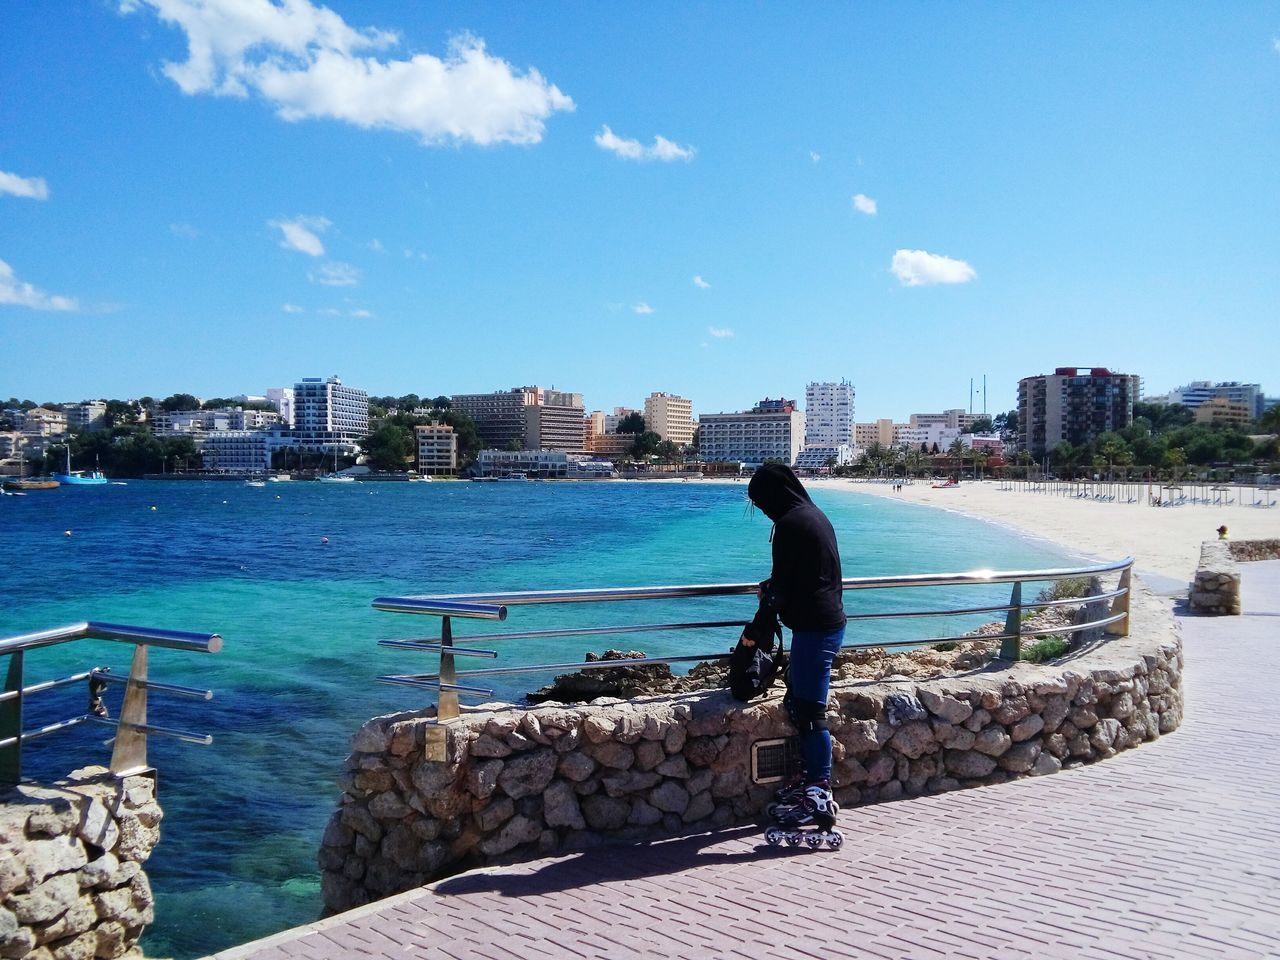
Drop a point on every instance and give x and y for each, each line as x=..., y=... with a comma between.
x=286, y=574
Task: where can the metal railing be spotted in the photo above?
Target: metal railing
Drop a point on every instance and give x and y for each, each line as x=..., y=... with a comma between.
x=129, y=751
x=450, y=684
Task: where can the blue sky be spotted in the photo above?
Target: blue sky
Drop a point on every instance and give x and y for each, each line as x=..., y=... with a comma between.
x=724, y=201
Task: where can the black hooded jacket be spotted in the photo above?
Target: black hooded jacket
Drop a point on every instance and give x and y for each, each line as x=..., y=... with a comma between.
x=805, y=587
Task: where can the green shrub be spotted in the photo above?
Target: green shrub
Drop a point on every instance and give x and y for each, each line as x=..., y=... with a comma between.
x=946, y=646
x=1046, y=648
x=1066, y=589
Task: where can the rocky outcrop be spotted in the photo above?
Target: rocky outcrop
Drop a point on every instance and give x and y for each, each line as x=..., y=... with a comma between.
x=520, y=783
x=71, y=854
x=1245, y=551
x=1216, y=587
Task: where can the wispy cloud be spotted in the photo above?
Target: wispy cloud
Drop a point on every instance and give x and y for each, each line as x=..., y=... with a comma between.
x=361, y=313
x=864, y=204
x=701, y=284
x=815, y=156
x=661, y=148
x=642, y=308
x=292, y=308
x=376, y=246
x=720, y=333
x=184, y=230
x=335, y=274
x=302, y=234
x=307, y=62
x=14, y=292
x=33, y=187
x=918, y=268
x=1275, y=44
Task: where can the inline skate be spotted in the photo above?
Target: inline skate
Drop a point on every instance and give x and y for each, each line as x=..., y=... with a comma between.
x=813, y=808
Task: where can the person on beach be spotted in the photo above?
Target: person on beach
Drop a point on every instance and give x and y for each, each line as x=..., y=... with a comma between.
x=805, y=588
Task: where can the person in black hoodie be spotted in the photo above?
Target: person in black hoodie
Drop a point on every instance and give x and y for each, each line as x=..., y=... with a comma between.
x=806, y=589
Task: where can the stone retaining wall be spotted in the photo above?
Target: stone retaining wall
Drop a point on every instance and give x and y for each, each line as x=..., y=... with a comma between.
x=1216, y=587
x=1245, y=551
x=520, y=783
x=71, y=856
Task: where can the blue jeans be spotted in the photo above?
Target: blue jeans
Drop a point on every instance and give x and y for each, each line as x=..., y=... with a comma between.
x=809, y=678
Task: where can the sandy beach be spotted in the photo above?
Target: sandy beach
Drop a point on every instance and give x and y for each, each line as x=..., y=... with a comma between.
x=1163, y=540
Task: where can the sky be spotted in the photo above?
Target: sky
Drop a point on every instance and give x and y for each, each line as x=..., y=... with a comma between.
x=724, y=201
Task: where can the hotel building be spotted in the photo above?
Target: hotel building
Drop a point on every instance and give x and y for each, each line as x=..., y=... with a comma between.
x=437, y=449
x=670, y=417
x=828, y=414
x=771, y=430
x=503, y=418
x=1075, y=404
x=327, y=412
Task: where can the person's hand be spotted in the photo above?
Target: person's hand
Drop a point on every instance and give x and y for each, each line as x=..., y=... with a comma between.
x=745, y=640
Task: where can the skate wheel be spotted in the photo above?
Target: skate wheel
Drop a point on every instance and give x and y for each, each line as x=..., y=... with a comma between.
x=814, y=840
x=773, y=836
x=794, y=839
x=772, y=809
x=835, y=840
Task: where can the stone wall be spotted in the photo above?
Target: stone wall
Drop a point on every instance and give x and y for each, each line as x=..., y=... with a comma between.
x=521, y=783
x=1216, y=586
x=71, y=856
x=1244, y=551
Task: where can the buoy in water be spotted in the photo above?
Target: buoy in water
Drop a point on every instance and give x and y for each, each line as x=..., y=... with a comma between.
x=66, y=533
x=324, y=539
x=153, y=508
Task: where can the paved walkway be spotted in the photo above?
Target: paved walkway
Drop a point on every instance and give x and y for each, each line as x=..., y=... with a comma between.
x=1170, y=851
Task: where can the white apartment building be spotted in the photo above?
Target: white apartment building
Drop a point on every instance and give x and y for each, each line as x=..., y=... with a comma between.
x=828, y=414
x=772, y=430
x=815, y=459
x=282, y=399
x=905, y=434
x=670, y=417
x=437, y=449
x=956, y=419
x=89, y=415
x=1199, y=391
x=327, y=411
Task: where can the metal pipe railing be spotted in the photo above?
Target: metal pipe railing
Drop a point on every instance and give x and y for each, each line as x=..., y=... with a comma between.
x=129, y=753
x=494, y=606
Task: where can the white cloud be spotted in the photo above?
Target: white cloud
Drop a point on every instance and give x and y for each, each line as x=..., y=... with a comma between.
x=662, y=148
x=306, y=62
x=361, y=313
x=335, y=274
x=864, y=204
x=918, y=268
x=701, y=284
x=329, y=312
x=642, y=308
x=33, y=187
x=14, y=292
x=184, y=230
x=1275, y=44
x=302, y=234
x=720, y=333
x=292, y=308
x=376, y=246
x=815, y=157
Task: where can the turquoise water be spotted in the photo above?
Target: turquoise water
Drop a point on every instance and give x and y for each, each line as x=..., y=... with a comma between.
x=296, y=677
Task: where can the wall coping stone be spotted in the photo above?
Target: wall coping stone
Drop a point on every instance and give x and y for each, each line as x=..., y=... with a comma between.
x=1215, y=589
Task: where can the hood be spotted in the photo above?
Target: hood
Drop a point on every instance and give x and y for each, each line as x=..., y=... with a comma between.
x=776, y=490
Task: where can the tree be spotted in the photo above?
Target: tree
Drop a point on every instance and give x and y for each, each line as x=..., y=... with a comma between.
x=646, y=445
x=981, y=425
x=668, y=452
x=179, y=401
x=408, y=403
x=390, y=447
x=1005, y=422
x=442, y=402
x=216, y=403
x=1269, y=422
x=631, y=423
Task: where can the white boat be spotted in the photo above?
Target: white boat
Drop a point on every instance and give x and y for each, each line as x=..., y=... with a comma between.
x=279, y=478
x=255, y=483
x=336, y=477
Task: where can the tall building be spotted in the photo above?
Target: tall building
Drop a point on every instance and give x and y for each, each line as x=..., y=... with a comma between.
x=89, y=415
x=437, y=449
x=282, y=399
x=1199, y=391
x=670, y=417
x=1075, y=404
x=877, y=432
x=327, y=412
x=771, y=430
x=955, y=419
x=828, y=414
x=526, y=417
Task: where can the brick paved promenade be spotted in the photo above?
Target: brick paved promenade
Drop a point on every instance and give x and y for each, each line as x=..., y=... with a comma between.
x=1168, y=851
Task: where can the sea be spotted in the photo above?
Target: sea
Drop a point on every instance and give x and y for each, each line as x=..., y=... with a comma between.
x=286, y=574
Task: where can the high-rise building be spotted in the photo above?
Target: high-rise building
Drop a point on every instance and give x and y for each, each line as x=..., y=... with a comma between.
x=1075, y=404
x=670, y=417
x=876, y=432
x=554, y=427
x=89, y=415
x=828, y=414
x=327, y=412
x=525, y=417
x=771, y=430
x=437, y=449
x=282, y=399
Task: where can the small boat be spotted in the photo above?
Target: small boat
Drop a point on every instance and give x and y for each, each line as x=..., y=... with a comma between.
x=519, y=477
x=255, y=483
x=279, y=478
x=951, y=482
x=336, y=477
x=78, y=478
x=34, y=483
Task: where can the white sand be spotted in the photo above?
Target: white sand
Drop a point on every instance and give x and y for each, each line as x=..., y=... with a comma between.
x=1162, y=540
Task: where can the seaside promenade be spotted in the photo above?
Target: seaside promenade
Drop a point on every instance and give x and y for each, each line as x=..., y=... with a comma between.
x=1169, y=851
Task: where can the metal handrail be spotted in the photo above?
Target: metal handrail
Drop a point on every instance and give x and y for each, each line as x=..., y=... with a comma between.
x=129, y=754
x=493, y=606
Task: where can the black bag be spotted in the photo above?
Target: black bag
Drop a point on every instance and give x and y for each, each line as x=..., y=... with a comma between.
x=752, y=669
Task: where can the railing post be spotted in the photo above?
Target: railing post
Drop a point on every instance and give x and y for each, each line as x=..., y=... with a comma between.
x=130, y=752
x=1120, y=605
x=11, y=722
x=447, y=701
x=1011, y=645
